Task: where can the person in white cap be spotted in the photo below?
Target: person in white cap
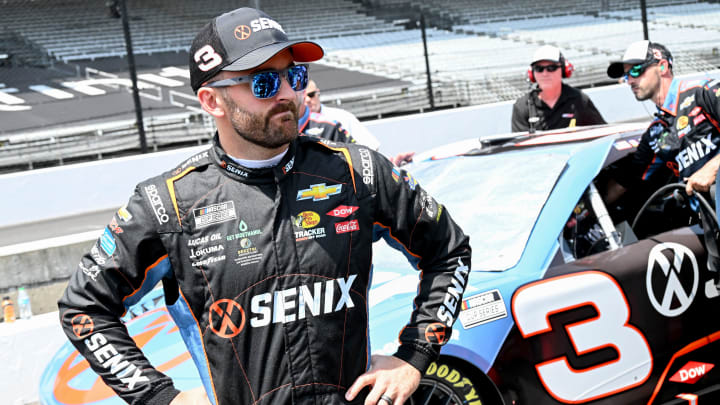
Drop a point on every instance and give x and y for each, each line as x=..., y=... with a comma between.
x=263, y=245
x=550, y=103
x=685, y=134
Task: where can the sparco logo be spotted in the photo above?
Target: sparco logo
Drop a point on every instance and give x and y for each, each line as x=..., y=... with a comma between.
x=157, y=204
x=367, y=168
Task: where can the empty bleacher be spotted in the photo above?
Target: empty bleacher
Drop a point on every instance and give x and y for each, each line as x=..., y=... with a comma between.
x=480, y=56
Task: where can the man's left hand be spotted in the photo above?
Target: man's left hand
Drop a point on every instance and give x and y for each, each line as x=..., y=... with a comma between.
x=390, y=377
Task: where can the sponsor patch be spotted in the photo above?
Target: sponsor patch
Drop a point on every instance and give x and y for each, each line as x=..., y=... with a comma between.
x=687, y=101
x=307, y=219
x=568, y=115
x=695, y=111
x=410, y=180
x=482, y=308
x=288, y=166
x=309, y=234
x=82, y=325
x=682, y=122
x=319, y=192
x=396, y=174
x=115, y=227
x=700, y=118
x=124, y=214
x=436, y=333
x=368, y=172
x=342, y=211
x=214, y=214
x=691, y=372
x=315, y=131
x=247, y=254
x=244, y=232
x=347, y=226
x=157, y=204
x=91, y=271
x=107, y=242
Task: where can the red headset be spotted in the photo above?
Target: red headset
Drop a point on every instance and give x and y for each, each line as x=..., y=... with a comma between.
x=566, y=67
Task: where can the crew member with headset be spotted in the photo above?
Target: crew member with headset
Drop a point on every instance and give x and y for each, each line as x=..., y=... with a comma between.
x=550, y=103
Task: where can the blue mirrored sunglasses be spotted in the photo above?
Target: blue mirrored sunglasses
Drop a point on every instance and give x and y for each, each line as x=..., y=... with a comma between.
x=638, y=70
x=267, y=83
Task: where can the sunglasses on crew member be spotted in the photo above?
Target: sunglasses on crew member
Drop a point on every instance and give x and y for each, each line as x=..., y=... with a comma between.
x=267, y=83
x=637, y=70
x=549, y=68
x=312, y=94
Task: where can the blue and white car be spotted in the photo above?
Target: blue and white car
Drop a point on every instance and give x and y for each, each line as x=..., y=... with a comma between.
x=566, y=302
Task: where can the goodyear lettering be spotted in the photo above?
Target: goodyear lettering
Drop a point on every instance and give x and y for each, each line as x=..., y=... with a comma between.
x=157, y=204
x=367, y=167
x=696, y=151
x=264, y=24
x=453, y=295
x=208, y=261
x=457, y=380
x=300, y=302
x=106, y=354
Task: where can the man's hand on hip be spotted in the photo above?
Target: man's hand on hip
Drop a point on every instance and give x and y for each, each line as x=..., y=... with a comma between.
x=194, y=396
x=390, y=377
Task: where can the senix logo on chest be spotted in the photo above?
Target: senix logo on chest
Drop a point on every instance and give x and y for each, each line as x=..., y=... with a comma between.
x=319, y=192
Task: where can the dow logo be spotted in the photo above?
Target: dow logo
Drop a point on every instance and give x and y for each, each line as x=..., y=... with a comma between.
x=227, y=318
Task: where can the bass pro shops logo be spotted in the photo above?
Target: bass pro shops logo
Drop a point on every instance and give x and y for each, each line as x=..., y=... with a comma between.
x=228, y=318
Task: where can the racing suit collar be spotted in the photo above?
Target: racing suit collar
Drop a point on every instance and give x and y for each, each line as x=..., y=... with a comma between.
x=671, y=99
x=249, y=175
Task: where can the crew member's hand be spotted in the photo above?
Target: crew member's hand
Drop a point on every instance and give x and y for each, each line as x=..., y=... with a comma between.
x=701, y=180
x=390, y=378
x=402, y=158
x=194, y=396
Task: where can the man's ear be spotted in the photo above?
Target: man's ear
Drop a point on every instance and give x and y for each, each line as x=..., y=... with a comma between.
x=211, y=101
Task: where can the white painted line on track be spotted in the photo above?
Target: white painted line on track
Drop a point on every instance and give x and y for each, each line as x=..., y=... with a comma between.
x=50, y=242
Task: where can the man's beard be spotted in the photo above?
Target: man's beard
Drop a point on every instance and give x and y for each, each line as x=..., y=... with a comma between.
x=260, y=130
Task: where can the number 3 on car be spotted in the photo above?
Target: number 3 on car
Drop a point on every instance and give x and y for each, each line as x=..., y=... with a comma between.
x=532, y=307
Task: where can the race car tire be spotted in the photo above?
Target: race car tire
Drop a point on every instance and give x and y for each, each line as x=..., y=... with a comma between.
x=449, y=382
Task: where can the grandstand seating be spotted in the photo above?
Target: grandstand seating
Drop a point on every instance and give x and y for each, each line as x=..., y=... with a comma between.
x=481, y=57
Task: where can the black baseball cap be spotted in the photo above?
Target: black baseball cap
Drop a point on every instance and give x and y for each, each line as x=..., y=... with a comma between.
x=239, y=40
x=637, y=53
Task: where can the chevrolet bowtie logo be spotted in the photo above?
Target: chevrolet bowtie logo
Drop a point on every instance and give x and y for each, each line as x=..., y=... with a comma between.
x=319, y=192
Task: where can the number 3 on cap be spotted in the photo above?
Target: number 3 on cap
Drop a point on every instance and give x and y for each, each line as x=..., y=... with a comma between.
x=609, y=329
x=208, y=55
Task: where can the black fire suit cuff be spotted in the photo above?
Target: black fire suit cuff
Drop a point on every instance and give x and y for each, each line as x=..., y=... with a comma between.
x=162, y=395
x=418, y=356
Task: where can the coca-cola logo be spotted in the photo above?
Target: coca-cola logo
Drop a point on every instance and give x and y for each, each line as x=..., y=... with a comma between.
x=347, y=226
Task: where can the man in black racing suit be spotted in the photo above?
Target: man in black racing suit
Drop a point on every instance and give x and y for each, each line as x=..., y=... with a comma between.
x=685, y=134
x=263, y=244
